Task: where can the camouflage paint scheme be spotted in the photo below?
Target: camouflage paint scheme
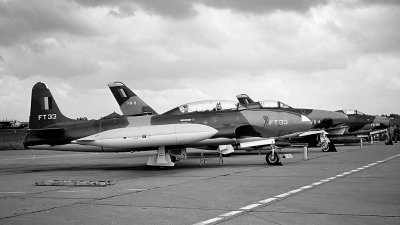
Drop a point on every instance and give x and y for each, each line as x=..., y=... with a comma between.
x=128, y=101
x=360, y=123
x=322, y=120
x=48, y=126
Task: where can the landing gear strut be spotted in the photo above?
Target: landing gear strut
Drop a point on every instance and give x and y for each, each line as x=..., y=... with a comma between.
x=161, y=159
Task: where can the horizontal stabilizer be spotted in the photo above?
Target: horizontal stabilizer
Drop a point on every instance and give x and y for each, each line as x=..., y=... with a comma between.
x=48, y=129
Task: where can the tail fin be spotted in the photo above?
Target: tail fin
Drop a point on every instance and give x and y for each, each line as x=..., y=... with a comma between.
x=244, y=99
x=128, y=101
x=44, y=109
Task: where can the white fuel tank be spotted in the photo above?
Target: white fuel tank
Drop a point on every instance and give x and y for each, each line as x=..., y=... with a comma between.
x=149, y=136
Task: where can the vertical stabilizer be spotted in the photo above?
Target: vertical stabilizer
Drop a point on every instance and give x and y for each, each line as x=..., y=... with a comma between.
x=128, y=101
x=44, y=109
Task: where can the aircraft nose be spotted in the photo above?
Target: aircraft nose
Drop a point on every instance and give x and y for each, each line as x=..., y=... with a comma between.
x=383, y=122
x=338, y=118
x=326, y=119
x=305, y=122
x=305, y=119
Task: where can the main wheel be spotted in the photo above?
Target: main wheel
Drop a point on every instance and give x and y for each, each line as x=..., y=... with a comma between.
x=325, y=146
x=388, y=141
x=272, y=159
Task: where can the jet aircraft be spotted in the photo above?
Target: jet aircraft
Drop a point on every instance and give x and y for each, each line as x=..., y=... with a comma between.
x=323, y=121
x=171, y=133
x=339, y=128
x=360, y=123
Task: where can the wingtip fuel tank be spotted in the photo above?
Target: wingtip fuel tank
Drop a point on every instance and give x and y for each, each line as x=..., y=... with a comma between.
x=149, y=136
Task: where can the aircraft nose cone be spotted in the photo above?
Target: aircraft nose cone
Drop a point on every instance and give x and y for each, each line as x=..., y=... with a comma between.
x=305, y=120
x=338, y=118
x=305, y=123
x=327, y=119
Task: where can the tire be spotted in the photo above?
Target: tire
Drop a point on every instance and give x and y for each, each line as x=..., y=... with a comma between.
x=388, y=142
x=270, y=161
x=325, y=147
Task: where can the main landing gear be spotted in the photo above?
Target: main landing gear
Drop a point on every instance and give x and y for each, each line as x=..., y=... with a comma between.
x=166, y=158
x=326, y=144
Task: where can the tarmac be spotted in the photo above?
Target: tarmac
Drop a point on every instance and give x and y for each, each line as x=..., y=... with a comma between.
x=351, y=186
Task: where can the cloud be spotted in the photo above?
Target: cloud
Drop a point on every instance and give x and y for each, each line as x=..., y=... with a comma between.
x=368, y=29
x=176, y=9
x=266, y=6
x=305, y=53
x=184, y=9
x=23, y=21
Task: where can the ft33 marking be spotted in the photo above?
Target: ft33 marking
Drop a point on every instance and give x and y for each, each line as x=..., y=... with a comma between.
x=47, y=117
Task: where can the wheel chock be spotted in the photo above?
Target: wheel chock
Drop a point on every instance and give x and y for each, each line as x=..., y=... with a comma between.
x=332, y=147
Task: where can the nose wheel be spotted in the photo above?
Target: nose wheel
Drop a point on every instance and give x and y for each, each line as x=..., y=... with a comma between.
x=272, y=158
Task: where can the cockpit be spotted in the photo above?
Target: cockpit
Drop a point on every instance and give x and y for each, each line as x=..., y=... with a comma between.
x=205, y=106
x=274, y=104
x=350, y=112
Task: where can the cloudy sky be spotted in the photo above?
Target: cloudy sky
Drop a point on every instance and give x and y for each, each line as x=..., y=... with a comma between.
x=326, y=54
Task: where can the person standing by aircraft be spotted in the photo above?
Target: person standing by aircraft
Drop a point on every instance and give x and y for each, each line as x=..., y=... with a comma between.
x=396, y=133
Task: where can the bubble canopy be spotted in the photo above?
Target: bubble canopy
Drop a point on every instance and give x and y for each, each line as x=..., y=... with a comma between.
x=205, y=106
x=273, y=104
x=350, y=112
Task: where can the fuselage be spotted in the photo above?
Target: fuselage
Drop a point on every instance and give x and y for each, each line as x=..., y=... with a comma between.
x=321, y=118
x=258, y=122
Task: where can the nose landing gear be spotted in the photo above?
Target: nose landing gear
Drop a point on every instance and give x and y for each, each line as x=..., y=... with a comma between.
x=272, y=158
